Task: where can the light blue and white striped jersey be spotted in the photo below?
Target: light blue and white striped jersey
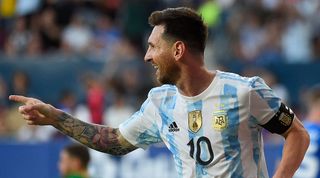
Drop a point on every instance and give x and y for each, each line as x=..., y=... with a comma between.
x=215, y=134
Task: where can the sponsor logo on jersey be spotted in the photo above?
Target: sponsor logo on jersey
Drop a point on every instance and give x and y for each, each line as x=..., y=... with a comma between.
x=220, y=120
x=173, y=127
x=195, y=120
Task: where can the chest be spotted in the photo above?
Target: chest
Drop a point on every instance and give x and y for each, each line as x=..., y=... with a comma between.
x=207, y=117
x=206, y=123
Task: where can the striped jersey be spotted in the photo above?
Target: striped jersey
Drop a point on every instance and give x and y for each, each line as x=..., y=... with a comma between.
x=215, y=134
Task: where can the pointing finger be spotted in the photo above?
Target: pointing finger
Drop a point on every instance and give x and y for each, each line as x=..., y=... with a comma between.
x=19, y=98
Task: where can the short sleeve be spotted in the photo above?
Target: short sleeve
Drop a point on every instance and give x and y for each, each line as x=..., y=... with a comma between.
x=263, y=103
x=141, y=129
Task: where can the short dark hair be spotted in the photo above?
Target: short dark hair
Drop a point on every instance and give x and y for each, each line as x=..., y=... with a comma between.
x=80, y=152
x=183, y=24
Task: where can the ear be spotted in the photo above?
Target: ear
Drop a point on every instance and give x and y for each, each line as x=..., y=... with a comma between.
x=178, y=50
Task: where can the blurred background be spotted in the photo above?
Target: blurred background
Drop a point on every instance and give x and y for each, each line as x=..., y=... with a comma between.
x=86, y=57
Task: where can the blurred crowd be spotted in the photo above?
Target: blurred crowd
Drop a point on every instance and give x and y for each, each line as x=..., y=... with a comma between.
x=262, y=31
x=242, y=33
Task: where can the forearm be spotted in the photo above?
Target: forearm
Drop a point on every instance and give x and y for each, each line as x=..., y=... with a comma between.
x=98, y=137
x=294, y=150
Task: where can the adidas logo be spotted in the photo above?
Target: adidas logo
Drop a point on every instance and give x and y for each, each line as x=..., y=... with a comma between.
x=173, y=127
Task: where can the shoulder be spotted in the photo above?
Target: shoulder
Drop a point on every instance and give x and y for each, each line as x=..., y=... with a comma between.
x=238, y=80
x=163, y=96
x=162, y=91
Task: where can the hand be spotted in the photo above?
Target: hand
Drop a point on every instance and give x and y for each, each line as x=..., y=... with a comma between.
x=34, y=111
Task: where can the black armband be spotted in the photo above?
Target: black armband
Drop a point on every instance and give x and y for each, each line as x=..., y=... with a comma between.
x=281, y=121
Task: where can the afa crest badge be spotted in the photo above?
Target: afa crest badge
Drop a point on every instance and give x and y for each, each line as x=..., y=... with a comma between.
x=220, y=120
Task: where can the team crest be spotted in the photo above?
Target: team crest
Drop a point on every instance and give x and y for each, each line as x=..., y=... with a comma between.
x=220, y=120
x=195, y=120
x=285, y=119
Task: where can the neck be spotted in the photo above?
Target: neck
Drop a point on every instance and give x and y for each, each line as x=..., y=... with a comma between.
x=194, y=80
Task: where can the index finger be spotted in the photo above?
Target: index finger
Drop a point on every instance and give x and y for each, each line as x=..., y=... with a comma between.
x=18, y=98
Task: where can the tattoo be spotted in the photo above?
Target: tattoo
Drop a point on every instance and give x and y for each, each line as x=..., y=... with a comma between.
x=98, y=137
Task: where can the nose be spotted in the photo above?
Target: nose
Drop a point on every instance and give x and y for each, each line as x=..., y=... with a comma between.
x=147, y=57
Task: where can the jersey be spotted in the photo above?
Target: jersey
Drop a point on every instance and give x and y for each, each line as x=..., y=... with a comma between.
x=309, y=167
x=215, y=134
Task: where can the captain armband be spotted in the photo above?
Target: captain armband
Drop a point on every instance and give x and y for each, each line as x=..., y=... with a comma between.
x=281, y=121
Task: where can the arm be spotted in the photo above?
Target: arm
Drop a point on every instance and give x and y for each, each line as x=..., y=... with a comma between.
x=296, y=143
x=98, y=137
x=281, y=120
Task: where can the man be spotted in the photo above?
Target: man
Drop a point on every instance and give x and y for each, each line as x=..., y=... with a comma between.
x=210, y=121
x=310, y=166
x=73, y=162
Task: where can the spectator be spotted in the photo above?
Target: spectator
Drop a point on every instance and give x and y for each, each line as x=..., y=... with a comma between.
x=271, y=51
x=106, y=36
x=69, y=103
x=95, y=98
x=296, y=37
x=49, y=30
x=74, y=161
x=35, y=47
x=18, y=39
x=251, y=36
x=20, y=83
x=77, y=36
x=118, y=112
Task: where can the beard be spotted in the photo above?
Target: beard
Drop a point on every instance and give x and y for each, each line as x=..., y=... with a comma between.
x=168, y=74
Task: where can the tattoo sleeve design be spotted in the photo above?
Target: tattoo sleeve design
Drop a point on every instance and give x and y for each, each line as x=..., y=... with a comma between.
x=98, y=137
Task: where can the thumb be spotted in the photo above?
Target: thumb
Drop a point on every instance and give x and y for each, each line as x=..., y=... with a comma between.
x=42, y=108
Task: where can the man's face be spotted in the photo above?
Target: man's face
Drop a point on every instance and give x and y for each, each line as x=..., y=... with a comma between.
x=160, y=54
x=66, y=163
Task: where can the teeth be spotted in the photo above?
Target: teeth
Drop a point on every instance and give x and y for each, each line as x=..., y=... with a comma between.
x=156, y=67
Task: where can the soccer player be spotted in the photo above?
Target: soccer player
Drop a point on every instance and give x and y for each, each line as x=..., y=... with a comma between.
x=73, y=162
x=211, y=121
x=310, y=166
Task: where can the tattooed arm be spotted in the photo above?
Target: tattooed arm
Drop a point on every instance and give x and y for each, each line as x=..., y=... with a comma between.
x=98, y=137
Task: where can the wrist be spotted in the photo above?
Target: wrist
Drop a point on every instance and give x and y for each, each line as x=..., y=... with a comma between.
x=57, y=117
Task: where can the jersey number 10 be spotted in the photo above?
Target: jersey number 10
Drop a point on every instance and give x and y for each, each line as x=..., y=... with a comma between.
x=201, y=140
